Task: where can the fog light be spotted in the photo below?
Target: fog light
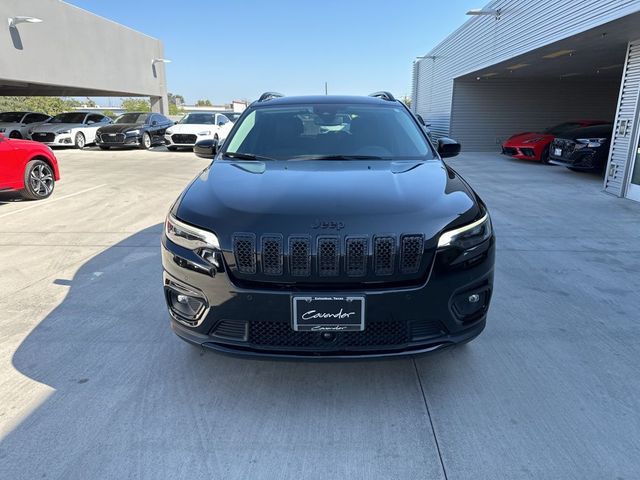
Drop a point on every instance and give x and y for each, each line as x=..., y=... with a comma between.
x=468, y=307
x=184, y=305
x=475, y=298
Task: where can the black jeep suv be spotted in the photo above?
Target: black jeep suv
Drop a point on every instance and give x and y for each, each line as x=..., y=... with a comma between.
x=328, y=226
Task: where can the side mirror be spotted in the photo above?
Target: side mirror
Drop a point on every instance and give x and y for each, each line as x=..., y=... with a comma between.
x=154, y=123
x=221, y=124
x=206, y=148
x=448, y=148
x=90, y=122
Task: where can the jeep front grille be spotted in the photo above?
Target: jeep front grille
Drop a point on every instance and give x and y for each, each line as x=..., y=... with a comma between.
x=328, y=256
x=272, y=254
x=411, y=253
x=324, y=257
x=244, y=250
x=300, y=256
x=356, y=262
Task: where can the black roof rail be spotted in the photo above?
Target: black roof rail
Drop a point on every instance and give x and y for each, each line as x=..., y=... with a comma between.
x=384, y=96
x=269, y=95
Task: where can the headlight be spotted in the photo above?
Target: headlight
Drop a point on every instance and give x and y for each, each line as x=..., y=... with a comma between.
x=590, y=142
x=206, y=132
x=533, y=140
x=169, y=132
x=63, y=132
x=467, y=236
x=133, y=132
x=203, y=242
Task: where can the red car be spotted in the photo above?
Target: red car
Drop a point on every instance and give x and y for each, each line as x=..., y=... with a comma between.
x=535, y=146
x=28, y=167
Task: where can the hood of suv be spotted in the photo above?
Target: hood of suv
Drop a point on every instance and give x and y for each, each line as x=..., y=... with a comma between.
x=313, y=197
x=121, y=127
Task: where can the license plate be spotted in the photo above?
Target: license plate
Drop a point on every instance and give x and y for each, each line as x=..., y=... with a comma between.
x=328, y=313
x=557, y=152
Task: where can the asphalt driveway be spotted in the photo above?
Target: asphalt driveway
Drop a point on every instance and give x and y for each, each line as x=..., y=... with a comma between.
x=93, y=384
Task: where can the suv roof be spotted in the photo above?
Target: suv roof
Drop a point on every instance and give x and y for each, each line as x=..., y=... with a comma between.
x=323, y=99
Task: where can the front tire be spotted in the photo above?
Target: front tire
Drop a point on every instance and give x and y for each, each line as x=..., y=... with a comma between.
x=80, y=141
x=544, y=158
x=15, y=134
x=145, y=142
x=39, y=181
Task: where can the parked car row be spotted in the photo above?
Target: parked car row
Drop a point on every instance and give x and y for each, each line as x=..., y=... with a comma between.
x=580, y=145
x=133, y=129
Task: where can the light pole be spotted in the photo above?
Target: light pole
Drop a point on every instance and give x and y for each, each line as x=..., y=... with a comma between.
x=14, y=21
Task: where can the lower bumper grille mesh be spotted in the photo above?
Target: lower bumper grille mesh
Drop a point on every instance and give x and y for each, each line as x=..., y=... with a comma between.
x=376, y=334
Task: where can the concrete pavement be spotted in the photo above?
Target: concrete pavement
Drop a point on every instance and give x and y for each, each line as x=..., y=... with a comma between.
x=94, y=385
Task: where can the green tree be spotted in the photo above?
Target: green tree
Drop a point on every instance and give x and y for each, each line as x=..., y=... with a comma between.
x=136, y=104
x=204, y=103
x=109, y=113
x=48, y=105
x=175, y=110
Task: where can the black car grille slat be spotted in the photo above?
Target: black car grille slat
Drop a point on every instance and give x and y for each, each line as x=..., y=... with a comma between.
x=412, y=249
x=280, y=335
x=357, y=254
x=183, y=138
x=328, y=256
x=272, y=254
x=244, y=251
x=43, y=137
x=300, y=256
x=384, y=254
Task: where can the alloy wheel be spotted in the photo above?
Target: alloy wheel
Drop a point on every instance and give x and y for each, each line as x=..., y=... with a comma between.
x=41, y=180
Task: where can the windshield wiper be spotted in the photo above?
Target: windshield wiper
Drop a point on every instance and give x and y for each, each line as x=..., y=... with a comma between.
x=338, y=157
x=244, y=156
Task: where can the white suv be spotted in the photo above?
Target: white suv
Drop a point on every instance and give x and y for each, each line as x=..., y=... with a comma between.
x=197, y=126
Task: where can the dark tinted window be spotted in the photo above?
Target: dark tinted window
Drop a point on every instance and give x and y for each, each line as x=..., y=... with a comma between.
x=95, y=118
x=11, y=117
x=71, y=117
x=198, y=119
x=36, y=117
x=328, y=130
x=132, y=118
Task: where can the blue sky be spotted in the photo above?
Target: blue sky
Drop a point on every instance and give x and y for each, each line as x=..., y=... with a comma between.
x=223, y=50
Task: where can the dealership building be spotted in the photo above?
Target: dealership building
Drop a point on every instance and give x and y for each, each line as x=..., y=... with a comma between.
x=50, y=47
x=517, y=65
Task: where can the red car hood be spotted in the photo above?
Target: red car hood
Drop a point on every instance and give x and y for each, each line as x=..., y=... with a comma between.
x=520, y=138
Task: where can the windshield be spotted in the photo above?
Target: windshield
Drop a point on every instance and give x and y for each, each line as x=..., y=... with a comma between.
x=11, y=117
x=69, y=118
x=563, y=127
x=133, y=118
x=327, y=131
x=198, y=119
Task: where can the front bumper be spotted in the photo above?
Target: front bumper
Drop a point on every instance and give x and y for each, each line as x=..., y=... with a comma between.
x=523, y=152
x=62, y=140
x=181, y=141
x=118, y=140
x=586, y=159
x=398, y=321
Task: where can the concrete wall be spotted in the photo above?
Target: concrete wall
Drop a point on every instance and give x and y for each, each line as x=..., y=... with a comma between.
x=74, y=52
x=484, y=41
x=484, y=113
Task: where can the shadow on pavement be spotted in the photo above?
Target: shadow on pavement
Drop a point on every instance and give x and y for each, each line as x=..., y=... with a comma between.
x=131, y=400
